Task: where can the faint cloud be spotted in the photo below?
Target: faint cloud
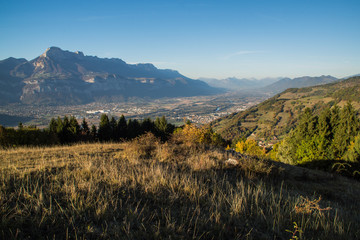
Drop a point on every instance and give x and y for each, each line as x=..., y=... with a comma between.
x=240, y=53
x=95, y=18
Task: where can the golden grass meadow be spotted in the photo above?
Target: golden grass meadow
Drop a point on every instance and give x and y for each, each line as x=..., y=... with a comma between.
x=146, y=189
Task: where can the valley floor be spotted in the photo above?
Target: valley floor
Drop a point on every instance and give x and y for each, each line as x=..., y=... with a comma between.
x=200, y=110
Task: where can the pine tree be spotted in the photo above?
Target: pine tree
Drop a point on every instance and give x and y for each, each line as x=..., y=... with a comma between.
x=305, y=127
x=113, y=126
x=121, y=128
x=163, y=128
x=147, y=126
x=347, y=129
x=133, y=128
x=353, y=152
x=104, y=132
x=325, y=134
x=93, y=132
x=74, y=127
x=53, y=125
x=85, y=128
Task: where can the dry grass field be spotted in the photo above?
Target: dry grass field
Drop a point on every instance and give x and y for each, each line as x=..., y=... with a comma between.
x=145, y=189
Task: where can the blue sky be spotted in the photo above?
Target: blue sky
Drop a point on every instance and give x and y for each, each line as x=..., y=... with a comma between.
x=199, y=38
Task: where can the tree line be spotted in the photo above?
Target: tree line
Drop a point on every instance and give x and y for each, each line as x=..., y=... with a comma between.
x=68, y=130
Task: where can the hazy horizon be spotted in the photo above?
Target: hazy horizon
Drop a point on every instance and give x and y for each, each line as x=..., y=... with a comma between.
x=200, y=39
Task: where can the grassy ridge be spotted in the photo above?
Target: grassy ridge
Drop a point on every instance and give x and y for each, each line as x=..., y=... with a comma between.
x=277, y=115
x=145, y=189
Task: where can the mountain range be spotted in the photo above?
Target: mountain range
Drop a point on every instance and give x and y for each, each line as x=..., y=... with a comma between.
x=233, y=83
x=270, y=85
x=64, y=77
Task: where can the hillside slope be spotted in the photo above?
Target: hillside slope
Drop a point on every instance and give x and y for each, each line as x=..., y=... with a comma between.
x=277, y=115
x=148, y=190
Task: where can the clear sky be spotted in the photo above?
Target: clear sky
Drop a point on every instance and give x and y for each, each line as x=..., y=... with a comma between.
x=199, y=38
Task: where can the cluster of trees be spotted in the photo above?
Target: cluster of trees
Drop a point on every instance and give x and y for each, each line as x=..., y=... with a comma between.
x=333, y=134
x=25, y=135
x=68, y=129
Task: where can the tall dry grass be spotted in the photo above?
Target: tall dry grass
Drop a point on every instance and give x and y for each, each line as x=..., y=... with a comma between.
x=145, y=189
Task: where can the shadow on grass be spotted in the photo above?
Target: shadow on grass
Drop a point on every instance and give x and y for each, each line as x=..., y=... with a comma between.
x=38, y=205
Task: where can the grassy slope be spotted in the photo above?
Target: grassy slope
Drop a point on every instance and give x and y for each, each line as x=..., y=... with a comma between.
x=277, y=115
x=148, y=190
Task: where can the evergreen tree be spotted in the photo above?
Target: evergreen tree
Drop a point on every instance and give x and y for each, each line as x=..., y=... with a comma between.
x=133, y=128
x=325, y=134
x=74, y=127
x=335, y=118
x=307, y=125
x=163, y=128
x=104, y=132
x=93, y=132
x=353, y=152
x=53, y=125
x=85, y=128
x=147, y=126
x=113, y=126
x=61, y=130
x=121, y=128
x=347, y=129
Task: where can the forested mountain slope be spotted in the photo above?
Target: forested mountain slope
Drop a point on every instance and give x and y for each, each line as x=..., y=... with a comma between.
x=277, y=115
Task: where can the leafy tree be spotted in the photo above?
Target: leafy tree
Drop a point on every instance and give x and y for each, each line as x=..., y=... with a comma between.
x=250, y=147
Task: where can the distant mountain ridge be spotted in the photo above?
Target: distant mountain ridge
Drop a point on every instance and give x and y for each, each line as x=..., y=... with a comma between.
x=64, y=77
x=299, y=82
x=273, y=85
x=234, y=83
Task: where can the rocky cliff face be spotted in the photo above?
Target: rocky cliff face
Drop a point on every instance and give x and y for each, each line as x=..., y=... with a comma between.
x=64, y=77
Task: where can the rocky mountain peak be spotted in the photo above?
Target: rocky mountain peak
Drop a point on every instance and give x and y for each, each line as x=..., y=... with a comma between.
x=58, y=53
